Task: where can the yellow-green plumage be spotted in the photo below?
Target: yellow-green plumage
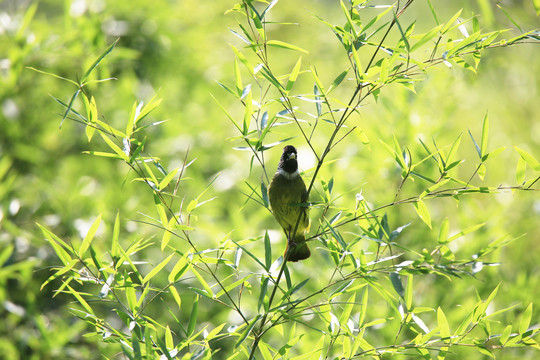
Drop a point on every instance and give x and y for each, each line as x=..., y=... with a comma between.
x=288, y=196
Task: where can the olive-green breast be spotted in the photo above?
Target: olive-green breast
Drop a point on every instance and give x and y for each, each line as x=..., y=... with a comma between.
x=283, y=192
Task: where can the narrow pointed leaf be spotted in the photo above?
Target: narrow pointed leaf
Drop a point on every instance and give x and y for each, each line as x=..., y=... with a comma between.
x=97, y=61
x=294, y=75
x=284, y=45
x=423, y=212
x=89, y=236
x=157, y=269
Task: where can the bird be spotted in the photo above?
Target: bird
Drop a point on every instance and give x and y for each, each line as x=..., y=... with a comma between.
x=288, y=196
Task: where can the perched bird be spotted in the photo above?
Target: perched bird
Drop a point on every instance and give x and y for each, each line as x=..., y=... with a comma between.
x=288, y=196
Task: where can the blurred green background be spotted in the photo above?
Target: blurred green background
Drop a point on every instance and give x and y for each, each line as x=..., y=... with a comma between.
x=180, y=50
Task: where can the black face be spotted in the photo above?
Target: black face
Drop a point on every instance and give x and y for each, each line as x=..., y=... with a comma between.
x=288, y=159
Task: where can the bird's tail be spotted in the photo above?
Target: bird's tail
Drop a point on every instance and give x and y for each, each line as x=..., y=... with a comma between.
x=298, y=249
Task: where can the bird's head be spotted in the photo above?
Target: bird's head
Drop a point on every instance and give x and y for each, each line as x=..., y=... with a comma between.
x=288, y=162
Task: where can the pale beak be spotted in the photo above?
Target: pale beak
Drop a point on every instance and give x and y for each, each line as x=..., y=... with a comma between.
x=292, y=156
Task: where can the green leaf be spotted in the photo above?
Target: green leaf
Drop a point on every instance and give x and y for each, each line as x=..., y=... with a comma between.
x=510, y=18
x=293, y=75
x=69, y=106
x=536, y=4
x=529, y=159
x=193, y=317
x=97, y=61
x=167, y=179
x=226, y=113
x=451, y=22
x=493, y=153
x=349, y=20
x=485, y=131
x=248, y=103
x=481, y=171
x=60, y=272
x=476, y=145
x=147, y=109
x=468, y=230
x=347, y=310
x=157, y=269
x=383, y=75
x=267, y=251
x=262, y=294
x=357, y=62
x=270, y=77
x=114, y=147
x=443, y=232
x=485, y=351
x=115, y=236
x=409, y=292
x=53, y=75
x=426, y=37
x=92, y=114
x=337, y=81
x=284, y=45
x=264, y=194
x=423, y=212
x=81, y=300
x=247, y=331
x=505, y=334
x=397, y=284
x=232, y=286
x=442, y=323
x=238, y=78
x=525, y=319
x=179, y=269
x=168, y=338
x=204, y=284
x=89, y=236
x=317, y=80
x=58, y=245
x=453, y=149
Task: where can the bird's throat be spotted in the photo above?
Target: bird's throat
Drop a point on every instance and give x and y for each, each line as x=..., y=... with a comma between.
x=288, y=175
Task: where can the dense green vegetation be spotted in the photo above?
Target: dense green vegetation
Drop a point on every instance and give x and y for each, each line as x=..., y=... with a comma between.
x=136, y=143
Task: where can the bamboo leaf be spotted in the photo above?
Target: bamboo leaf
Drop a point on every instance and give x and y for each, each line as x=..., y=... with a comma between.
x=293, y=75
x=238, y=77
x=409, y=292
x=318, y=87
x=525, y=319
x=179, y=269
x=157, y=269
x=114, y=147
x=89, y=236
x=247, y=331
x=167, y=179
x=468, y=230
x=337, y=81
x=193, y=317
x=284, y=45
x=426, y=37
x=529, y=159
x=97, y=61
x=442, y=323
x=485, y=132
x=423, y=212
x=209, y=292
x=267, y=251
x=58, y=245
x=247, y=113
x=397, y=284
x=81, y=300
x=520, y=170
